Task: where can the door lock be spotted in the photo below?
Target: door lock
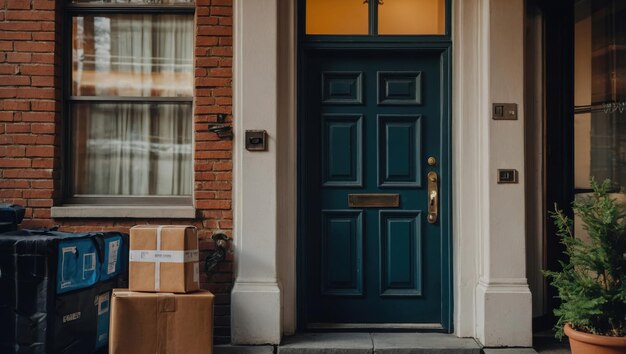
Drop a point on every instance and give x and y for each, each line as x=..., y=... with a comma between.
x=433, y=197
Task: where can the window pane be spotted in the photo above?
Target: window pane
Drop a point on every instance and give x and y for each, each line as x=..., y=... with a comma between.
x=336, y=17
x=132, y=149
x=582, y=97
x=412, y=17
x=600, y=92
x=132, y=55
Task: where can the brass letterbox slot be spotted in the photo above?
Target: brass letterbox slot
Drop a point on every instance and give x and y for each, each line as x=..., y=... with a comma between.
x=373, y=200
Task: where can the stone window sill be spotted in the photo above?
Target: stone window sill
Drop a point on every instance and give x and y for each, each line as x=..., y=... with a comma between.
x=116, y=211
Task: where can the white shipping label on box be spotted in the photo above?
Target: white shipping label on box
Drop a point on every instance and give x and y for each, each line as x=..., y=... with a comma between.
x=103, y=303
x=164, y=256
x=113, y=248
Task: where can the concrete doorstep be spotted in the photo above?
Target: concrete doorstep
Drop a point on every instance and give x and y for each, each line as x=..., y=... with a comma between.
x=366, y=343
x=402, y=343
x=243, y=349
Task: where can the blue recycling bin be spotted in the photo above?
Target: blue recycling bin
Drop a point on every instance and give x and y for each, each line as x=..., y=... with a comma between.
x=55, y=289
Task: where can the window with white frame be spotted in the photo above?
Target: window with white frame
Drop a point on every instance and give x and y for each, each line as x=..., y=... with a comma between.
x=129, y=102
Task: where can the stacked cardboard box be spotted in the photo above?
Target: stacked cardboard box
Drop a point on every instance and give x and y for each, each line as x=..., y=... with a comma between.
x=164, y=259
x=163, y=311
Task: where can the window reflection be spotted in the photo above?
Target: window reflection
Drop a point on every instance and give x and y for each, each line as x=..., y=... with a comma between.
x=132, y=149
x=132, y=55
x=600, y=92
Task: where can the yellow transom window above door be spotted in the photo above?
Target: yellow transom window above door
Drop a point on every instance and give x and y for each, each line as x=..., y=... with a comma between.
x=336, y=17
x=394, y=17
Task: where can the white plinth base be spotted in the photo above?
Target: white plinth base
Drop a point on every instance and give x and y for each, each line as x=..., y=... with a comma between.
x=504, y=315
x=255, y=314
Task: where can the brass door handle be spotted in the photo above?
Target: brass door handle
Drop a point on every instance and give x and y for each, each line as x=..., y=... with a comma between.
x=433, y=197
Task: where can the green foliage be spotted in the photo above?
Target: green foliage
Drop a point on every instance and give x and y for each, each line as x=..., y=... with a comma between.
x=592, y=284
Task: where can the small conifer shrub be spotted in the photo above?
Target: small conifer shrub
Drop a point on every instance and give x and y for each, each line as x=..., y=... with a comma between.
x=592, y=283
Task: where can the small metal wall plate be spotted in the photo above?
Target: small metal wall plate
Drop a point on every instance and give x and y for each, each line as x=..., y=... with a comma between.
x=504, y=111
x=256, y=140
x=507, y=176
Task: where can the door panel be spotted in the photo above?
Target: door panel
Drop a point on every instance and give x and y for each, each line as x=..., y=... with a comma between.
x=400, y=253
x=342, y=87
x=342, y=253
x=371, y=121
x=399, y=139
x=342, y=159
x=399, y=88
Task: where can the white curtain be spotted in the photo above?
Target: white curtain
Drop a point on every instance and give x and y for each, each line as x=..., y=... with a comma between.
x=140, y=148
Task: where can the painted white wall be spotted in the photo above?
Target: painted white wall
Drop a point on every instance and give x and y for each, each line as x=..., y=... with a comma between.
x=504, y=302
x=468, y=198
x=492, y=301
x=255, y=301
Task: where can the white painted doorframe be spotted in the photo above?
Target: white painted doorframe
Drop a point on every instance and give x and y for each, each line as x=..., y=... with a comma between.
x=492, y=301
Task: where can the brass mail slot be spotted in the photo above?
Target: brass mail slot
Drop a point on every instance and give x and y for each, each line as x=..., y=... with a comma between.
x=373, y=200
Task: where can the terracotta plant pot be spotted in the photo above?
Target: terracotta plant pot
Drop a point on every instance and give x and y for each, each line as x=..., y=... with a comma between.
x=585, y=343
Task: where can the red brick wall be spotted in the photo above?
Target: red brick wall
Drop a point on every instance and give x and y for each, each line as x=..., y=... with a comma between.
x=31, y=121
x=213, y=156
x=29, y=106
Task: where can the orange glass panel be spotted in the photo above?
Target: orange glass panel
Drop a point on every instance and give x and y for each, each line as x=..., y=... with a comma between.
x=336, y=17
x=412, y=17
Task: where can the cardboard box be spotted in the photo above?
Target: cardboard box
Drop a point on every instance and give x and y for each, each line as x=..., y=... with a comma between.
x=164, y=323
x=164, y=259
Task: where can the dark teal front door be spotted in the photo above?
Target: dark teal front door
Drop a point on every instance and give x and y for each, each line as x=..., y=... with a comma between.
x=370, y=123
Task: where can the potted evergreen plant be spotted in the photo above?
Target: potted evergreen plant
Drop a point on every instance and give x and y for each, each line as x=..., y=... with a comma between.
x=592, y=283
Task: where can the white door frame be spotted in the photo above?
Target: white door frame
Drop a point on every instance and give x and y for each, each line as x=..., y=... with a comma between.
x=492, y=301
